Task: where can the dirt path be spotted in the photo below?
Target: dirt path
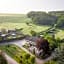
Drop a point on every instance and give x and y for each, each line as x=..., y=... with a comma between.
x=20, y=43
x=10, y=60
x=39, y=61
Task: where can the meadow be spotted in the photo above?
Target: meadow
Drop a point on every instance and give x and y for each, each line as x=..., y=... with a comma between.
x=12, y=21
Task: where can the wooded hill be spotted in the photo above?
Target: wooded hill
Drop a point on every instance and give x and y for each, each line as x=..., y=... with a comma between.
x=50, y=18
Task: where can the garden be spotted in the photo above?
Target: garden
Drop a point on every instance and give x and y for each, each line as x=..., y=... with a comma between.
x=21, y=56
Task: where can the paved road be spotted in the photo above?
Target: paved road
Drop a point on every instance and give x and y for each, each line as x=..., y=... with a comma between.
x=20, y=42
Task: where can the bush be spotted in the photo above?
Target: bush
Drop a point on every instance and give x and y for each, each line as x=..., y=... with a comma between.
x=59, y=54
x=32, y=60
x=53, y=42
x=58, y=57
x=51, y=62
x=26, y=56
x=33, y=33
x=27, y=59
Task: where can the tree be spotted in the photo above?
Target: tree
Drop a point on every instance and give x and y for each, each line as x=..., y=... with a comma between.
x=33, y=33
x=59, y=54
x=42, y=43
x=60, y=22
x=42, y=18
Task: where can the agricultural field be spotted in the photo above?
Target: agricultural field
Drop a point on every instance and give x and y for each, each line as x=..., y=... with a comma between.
x=12, y=21
x=14, y=18
x=26, y=28
x=21, y=56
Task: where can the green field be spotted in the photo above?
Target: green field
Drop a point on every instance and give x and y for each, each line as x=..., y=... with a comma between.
x=14, y=18
x=12, y=21
x=26, y=28
x=21, y=56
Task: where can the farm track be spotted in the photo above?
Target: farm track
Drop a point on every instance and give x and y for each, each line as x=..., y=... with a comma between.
x=10, y=60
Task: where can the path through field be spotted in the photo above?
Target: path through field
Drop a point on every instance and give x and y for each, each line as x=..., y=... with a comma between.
x=10, y=60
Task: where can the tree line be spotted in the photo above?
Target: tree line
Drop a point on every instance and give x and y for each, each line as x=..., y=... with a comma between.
x=50, y=18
